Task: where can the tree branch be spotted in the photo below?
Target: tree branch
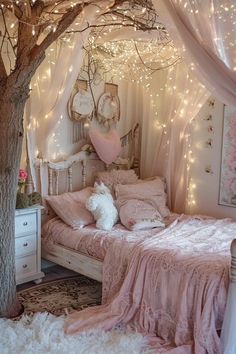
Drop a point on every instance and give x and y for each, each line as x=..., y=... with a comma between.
x=3, y=72
x=66, y=20
x=143, y=28
x=11, y=6
x=6, y=33
x=31, y=56
x=26, y=39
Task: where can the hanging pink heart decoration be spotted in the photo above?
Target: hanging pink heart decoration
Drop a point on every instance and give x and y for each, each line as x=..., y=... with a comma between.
x=107, y=145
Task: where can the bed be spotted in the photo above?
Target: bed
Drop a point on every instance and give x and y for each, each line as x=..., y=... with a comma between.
x=86, y=250
x=60, y=177
x=112, y=250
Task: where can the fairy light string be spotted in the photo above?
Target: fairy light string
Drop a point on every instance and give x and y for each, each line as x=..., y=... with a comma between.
x=123, y=59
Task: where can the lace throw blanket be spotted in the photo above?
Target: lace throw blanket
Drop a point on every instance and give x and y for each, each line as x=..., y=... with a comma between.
x=172, y=286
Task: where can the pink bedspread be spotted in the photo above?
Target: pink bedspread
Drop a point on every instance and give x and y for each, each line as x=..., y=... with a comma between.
x=173, y=288
x=91, y=241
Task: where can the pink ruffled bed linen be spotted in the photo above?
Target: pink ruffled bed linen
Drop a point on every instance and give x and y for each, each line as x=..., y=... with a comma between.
x=91, y=241
x=171, y=286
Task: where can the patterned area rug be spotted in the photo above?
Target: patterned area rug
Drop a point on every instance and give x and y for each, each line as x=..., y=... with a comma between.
x=61, y=296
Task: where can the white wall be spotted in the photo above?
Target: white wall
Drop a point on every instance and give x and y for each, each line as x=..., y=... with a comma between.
x=206, y=192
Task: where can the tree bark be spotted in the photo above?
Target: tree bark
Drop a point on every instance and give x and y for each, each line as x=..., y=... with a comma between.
x=14, y=91
x=12, y=104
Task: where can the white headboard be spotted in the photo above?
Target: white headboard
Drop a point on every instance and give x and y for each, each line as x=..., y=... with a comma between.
x=56, y=171
x=79, y=170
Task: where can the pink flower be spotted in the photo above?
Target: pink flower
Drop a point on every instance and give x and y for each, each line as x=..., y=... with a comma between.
x=22, y=175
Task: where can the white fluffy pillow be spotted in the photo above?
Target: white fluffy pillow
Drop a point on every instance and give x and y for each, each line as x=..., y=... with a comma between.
x=101, y=205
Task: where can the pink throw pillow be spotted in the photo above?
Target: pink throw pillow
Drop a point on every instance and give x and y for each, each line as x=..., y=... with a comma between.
x=70, y=207
x=107, y=146
x=114, y=177
x=138, y=215
x=151, y=192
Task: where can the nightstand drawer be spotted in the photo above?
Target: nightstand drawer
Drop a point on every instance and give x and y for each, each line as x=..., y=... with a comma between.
x=28, y=244
x=25, y=245
x=25, y=224
x=25, y=265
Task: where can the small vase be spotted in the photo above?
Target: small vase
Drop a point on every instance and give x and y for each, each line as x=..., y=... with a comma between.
x=20, y=188
x=22, y=200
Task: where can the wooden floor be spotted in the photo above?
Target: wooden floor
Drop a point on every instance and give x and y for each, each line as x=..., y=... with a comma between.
x=51, y=273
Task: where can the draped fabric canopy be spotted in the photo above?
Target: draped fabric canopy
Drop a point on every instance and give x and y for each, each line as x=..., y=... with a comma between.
x=166, y=142
x=51, y=88
x=205, y=33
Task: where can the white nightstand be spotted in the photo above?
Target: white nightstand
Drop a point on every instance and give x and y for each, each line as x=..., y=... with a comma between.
x=28, y=245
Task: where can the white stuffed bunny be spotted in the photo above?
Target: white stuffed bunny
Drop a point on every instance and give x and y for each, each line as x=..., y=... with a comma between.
x=101, y=205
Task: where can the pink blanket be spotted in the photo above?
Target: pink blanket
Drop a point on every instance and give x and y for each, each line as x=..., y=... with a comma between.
x=91, y=241
x=173, y=287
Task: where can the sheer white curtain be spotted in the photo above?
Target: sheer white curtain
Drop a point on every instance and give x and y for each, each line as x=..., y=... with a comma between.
x=165, y=110
x=176, y=98
x=205, y=32
x=51, y=88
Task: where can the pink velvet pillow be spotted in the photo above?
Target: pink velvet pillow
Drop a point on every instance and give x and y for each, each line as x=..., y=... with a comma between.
x=107, y=145
x=151, y=192
x=138, y=215
x=70, y=207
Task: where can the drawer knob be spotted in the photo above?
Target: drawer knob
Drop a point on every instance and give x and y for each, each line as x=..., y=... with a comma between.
x=25, y=223
x=25, y=244
x=25, y=266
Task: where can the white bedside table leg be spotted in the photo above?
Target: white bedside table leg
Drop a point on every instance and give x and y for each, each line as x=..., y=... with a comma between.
x=38, y=281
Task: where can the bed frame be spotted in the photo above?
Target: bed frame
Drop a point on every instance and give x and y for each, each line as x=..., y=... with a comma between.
x=92, y=267
x=71, y=259
x=58, y=254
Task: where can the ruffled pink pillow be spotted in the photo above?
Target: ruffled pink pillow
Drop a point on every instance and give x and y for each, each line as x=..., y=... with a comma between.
x=138, y=215
x=150, y=191
x=107, y=146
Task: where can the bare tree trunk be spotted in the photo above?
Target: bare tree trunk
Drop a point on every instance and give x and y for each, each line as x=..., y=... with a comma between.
x=12, y=104
x=14, y=91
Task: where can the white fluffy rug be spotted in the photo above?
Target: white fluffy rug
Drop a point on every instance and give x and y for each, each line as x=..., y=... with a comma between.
x=43, y=333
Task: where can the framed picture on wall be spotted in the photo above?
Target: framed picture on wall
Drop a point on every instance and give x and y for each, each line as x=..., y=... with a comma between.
x=227, y=193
